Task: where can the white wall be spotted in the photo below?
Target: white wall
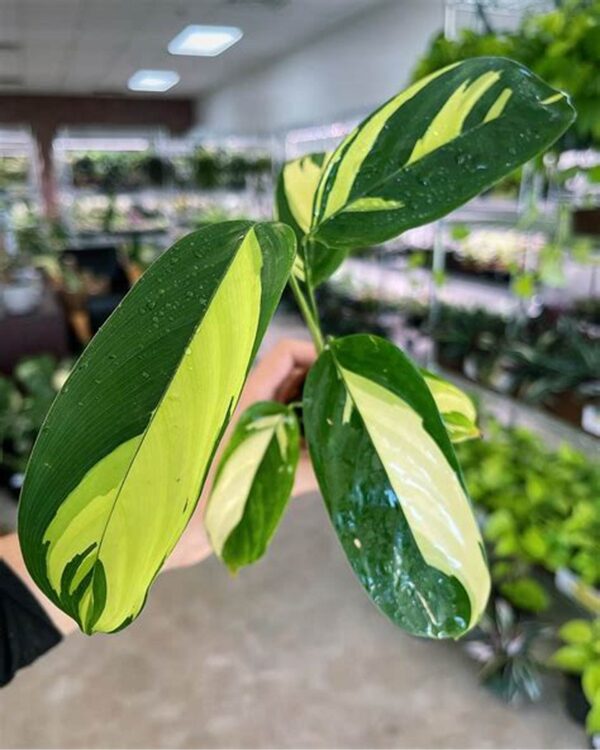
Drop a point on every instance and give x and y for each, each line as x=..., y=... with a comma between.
x=339, y=75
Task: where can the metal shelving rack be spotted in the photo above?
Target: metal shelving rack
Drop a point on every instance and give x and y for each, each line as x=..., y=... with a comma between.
x=18, y=198
x=181, y=204
x=79, y=141
x=489, y=15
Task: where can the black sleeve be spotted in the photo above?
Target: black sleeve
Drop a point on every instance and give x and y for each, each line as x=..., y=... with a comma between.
x=26, y=632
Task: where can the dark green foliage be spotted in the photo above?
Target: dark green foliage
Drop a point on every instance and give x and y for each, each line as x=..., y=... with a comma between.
x=24, y=401
x=542, y=358
x=506, y=649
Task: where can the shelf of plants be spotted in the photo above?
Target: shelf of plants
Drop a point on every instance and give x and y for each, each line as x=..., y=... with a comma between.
x=19, y=187
x=115, y=182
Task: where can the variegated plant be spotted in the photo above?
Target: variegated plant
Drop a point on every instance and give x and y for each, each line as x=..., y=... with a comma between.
x=122, y=458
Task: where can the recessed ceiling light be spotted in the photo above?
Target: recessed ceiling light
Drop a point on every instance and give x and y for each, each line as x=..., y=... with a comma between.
x=204, y=41
x=153, y=80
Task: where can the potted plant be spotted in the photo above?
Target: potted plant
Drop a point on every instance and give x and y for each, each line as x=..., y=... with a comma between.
x=540, y=506
x=24, y=402
x=137, y=424
x=579, y=658
x=558, y=369
x=506, y=649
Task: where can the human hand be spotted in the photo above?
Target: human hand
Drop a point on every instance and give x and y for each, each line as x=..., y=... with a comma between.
x=280, y=374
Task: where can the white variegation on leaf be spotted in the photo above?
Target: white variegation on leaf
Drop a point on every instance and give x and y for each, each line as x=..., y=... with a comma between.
x=428, y=490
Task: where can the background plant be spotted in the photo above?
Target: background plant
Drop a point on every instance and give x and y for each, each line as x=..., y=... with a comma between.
x=542, y=510
x=24, y=402
x=580, y=655
x=507, y=648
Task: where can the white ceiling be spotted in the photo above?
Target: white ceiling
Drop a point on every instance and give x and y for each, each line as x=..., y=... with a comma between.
x=90, y=46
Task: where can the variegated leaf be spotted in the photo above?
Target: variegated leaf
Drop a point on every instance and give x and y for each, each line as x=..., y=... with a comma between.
x=253, y=484
x=433, y=147
x=120, y=462
x=457, y=409
x=294, y=200
x=393, y=487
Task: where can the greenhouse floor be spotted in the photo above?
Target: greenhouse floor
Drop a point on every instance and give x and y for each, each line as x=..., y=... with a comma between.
x=289, y=654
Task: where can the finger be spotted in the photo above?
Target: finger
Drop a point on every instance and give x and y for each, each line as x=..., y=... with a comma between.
x=301, y=353
x=276, y=366
x=291, y=388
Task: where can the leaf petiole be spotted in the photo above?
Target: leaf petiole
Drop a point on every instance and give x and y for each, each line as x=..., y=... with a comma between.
x=307, y=314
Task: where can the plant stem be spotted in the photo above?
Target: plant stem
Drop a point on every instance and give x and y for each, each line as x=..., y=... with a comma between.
x=307, y=245
x=307, y=314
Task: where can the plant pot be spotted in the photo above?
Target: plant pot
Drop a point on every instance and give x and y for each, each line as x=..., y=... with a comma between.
x=567, y=406
x=587, y=221
x=576, y=703
x=447, y=363
x=454, y=262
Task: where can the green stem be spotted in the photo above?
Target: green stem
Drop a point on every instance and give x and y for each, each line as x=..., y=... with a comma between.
x=307, y=246
x=313, y=303
x=307, y=314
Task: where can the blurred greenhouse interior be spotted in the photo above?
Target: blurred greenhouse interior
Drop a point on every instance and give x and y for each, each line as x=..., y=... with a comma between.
x=119, y=135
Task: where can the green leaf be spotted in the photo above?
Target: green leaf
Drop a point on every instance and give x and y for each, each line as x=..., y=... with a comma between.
x=592, y=721
x=576, y=631
x=457, y=409
x=120, y=462
x=294, y=200
x=295, y=192
x=571, y=659
x=523, y=285
x=253, y=484
x=498, y=524
x=433, y=147
x=590, y=681
x=393, y=487
x=527, y=594
x=533, y=540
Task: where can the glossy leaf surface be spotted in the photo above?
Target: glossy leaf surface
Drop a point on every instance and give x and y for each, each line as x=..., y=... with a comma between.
x=294, y=200
x=433, y=147
x=393, y=487
x=254, y=482
x=119, y=464
x=457, y=409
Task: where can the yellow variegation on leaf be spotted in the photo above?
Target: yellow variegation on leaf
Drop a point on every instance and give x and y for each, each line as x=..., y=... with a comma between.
x=433, y=147
x=457, y=409
x=253, y=483
x=120, y=463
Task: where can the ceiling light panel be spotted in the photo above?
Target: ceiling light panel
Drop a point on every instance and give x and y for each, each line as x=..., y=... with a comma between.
x=153, y=80
x=204, y=41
